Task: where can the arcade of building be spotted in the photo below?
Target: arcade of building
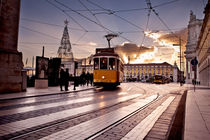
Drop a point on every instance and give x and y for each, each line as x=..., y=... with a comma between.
x=142, y=72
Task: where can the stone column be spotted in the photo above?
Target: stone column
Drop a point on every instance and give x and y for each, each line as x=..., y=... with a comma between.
x=11, y=63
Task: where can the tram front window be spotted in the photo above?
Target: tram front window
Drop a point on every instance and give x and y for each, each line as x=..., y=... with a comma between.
x=112, y=64
x=103, y=63
x=96, y=64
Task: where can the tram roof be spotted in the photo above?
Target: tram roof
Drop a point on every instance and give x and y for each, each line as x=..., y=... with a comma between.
x=105, y=52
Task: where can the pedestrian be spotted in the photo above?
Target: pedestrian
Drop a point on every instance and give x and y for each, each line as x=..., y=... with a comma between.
x=82, y=78
x=87, y=78
x=61, y=79
x=91, y=79
x=66, y=80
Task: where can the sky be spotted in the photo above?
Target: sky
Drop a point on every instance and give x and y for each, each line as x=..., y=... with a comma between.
x=42, y=24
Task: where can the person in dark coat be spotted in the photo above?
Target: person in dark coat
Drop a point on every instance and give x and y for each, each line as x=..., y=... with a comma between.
x=82, y=78
x=91, y=79
x=87, y=78
x=62, y=77
x=66, y=80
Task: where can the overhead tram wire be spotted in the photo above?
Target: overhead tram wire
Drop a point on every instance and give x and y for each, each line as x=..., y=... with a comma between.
x=129, y=10
x=37, y=43
x=111, y=12
x=165, y=3
x=45, y=23
x=90, y=19
x=125, y=10
x=147, y=23
x=44, y=34
x=40, y=43
x=140, y=9
x=67, y=15
x=161, y=20
x=92, y=14
x=94, y=17
x=81, y=37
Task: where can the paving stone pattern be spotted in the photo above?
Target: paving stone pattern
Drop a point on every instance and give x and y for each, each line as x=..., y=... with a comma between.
x=162, y=127
x=119, y=131
x=71, y=121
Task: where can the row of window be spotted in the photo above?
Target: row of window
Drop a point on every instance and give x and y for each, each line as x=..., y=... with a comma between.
x=105, y=63
x=148, y=68
x=147, y=73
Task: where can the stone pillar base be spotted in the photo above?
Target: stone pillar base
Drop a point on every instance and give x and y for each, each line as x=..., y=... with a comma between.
x=10, y=72
x=41, y=83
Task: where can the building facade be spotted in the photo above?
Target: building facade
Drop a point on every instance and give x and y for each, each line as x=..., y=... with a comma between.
x=194, y=27
x=203, y=49
x=141, y=71
x=146, y=71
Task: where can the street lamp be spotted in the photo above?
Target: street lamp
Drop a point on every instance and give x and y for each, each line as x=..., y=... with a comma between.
x=180, y=48
x=109, y=37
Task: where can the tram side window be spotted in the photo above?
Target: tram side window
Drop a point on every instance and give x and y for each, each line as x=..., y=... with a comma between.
x=96, y=63
x=103, y=63
x=112, y=65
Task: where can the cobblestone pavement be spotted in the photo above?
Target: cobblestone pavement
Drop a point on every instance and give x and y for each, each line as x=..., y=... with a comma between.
x=95, y=114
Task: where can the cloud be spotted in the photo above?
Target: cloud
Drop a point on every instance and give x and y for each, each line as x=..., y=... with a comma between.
x=165, y=51
x=131, y=51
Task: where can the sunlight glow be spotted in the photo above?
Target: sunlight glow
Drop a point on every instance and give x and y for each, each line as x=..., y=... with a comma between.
x=92, y=44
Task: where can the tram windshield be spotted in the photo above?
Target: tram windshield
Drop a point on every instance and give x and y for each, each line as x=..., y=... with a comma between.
x=103, y=63
x=96, y=63
x=112, y=65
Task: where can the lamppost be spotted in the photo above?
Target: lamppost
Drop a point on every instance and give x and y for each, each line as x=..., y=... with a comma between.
x=109, y=37
x=180, y=48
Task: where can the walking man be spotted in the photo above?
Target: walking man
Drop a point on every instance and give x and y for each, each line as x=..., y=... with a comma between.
x=66, y=80
x=61, y=80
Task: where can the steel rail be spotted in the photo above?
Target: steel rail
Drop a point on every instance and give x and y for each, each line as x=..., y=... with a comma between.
x=123, y=119
x=62, y=121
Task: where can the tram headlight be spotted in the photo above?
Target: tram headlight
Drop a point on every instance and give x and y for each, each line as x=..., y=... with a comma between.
x=103, y=77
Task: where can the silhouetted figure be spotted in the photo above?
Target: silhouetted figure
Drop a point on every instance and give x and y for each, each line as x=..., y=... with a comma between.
x=91, y=79
x=61, y=80
x=87, y=78
x=66, y=80
x=82, y=78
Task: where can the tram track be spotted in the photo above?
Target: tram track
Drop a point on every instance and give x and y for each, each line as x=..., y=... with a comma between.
x=97, y=134
x=24, y=133
x=123, y=119
x=43, y=95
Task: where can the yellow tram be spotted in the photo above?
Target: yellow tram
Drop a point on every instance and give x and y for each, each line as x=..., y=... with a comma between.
x=108, y=68
x=159, y=79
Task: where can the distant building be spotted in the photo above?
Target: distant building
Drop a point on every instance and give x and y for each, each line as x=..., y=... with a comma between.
x=141, y=71
x=146, y=71
x=85, y=65
x=194, y=27
x=203, y=49
x=65, y=50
